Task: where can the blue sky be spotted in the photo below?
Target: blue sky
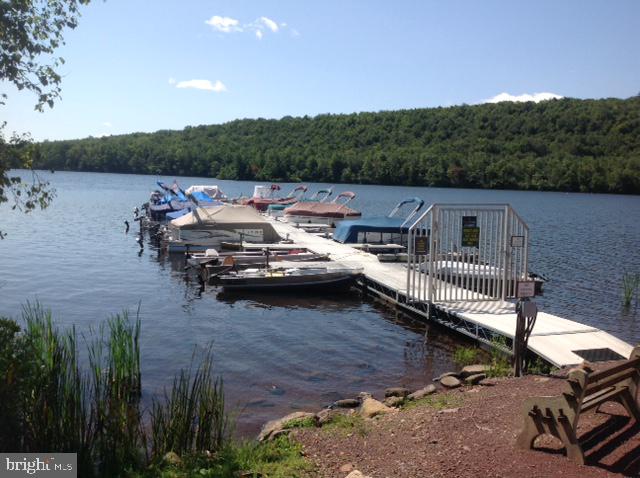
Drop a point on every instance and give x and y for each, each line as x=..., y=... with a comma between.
x=132, y=65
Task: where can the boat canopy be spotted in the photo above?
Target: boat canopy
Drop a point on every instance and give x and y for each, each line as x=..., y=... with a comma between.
x=333, y=209
x=226, y=217
x=212, y=191
x=264, y=192
x=347, y=231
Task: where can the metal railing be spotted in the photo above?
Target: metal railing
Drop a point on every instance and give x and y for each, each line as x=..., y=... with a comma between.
x=463, y=252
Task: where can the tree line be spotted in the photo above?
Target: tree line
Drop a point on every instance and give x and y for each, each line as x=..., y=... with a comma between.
x=562, y=145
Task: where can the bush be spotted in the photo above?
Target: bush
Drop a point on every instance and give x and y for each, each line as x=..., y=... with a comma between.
x=464, y=356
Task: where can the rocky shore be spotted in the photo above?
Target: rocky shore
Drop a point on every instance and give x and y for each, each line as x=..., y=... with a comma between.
x=462, y=425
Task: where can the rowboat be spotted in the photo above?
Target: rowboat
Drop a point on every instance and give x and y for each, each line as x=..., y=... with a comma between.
x=289, y=277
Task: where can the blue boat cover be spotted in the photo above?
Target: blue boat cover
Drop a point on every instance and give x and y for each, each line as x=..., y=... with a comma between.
x=177, y=214
x=201, y=197
x=347, y=231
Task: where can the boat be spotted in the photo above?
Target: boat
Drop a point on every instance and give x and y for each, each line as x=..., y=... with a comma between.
x=206, y=228
x=263, y=196
x=390, y=230
x=288, y=277
x=204, y=195
x=321, y=212
x=165, y=203
x=208, y=271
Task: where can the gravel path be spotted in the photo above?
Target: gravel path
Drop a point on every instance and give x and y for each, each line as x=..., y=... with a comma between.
x=471, y=433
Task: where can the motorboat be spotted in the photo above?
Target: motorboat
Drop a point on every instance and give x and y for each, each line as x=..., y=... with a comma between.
x=206, y=195
x=206, y=228
x=263, y=196
x=320, y=196
x=319, y=212
x=391, y=229
x=287, y=277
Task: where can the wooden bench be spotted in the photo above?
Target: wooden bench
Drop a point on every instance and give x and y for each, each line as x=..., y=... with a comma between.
x=584, y=390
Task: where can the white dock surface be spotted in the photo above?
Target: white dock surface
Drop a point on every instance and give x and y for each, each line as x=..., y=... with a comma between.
x=553, y=337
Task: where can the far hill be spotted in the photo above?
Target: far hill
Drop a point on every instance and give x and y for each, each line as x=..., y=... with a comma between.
x=564, y=145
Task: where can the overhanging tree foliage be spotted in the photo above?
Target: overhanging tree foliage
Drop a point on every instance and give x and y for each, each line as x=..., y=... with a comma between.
x=30, y=33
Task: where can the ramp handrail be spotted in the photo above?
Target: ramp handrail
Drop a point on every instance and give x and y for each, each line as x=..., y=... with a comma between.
x=466, y=252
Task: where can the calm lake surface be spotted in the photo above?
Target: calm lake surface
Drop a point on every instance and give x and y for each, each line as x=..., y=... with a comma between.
x=284, y=353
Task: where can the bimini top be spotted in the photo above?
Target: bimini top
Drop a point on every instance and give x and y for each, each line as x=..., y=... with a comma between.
x=212, y=192
x=226, y=217
x=347, y=231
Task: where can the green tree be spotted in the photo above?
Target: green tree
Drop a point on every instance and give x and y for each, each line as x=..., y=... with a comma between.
x=30, y=33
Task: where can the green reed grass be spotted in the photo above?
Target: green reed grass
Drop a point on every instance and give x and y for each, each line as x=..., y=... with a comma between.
x=115, y=380
x=630, y=286
x=190, y=418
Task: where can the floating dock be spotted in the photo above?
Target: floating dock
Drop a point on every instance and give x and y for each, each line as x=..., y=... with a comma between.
x=479, y=304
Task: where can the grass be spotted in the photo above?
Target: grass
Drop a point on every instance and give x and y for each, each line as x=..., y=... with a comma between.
x=440, y=401
x=191, y=417
x=463, y=356
x=347, y=424
x=54, y=404
x=308, y=422
x=539, y=366
x=280, y=458
x=630, y=286
x=500, y=365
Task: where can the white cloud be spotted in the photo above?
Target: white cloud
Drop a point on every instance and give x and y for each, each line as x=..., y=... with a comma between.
x=172, y=81
x=217, y=87
x=535, y=97
x=107, y=124
x=224, y=24
x=270, y=24
x=259, y=26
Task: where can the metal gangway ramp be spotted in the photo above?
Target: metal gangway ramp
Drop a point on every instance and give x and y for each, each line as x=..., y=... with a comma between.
x=464, y=264
x=468, y=253
x=480, y=252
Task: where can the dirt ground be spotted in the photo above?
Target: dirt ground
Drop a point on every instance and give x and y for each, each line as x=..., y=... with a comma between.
x=475, y=437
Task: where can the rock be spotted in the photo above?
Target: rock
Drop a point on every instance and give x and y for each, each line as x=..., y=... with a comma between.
x=356, y=474
x=347, y=403
x=473, y=370
x=423, y=392
x=449, y=410
x=371, y=407
x=446, y=374
x=363, y=395
x=396, y=392
x=346, y=468
x=393, y=401
x=172, y=458
x=278, y=427
x=328, y=414
x=450, y=381
x=475, y=378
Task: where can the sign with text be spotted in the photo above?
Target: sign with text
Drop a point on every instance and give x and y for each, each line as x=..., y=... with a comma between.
x=470, y=231
x=517, y=241
x=525, y=288
x=421, y=246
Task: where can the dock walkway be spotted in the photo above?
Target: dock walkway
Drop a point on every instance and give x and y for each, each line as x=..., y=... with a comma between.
x=553, y=338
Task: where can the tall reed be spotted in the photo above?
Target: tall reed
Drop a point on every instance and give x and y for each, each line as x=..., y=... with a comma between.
x=58, y=406
x=54, y=414
x=114, y=364
x=630, y=285
x=191, y=418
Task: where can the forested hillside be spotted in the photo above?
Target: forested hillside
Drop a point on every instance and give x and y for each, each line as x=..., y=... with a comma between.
x=565, y=145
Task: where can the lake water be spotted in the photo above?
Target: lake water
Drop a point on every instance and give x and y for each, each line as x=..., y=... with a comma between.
x=285, y=353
